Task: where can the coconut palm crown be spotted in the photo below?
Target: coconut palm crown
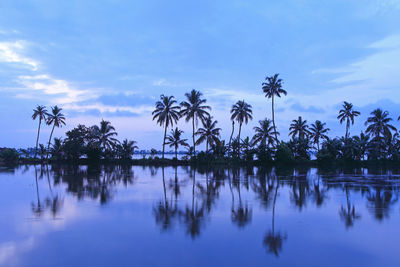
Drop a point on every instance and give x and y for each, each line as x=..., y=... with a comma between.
x=39, y=112
x=57, y=119
x=273, y=87
x=347, y=113
x=166, y=113
x=242, y=113
x=299, y=127
x=318, y=132
x=209, y=133
x=194, y=108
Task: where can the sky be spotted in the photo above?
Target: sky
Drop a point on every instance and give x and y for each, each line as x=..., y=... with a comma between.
x=112, y=60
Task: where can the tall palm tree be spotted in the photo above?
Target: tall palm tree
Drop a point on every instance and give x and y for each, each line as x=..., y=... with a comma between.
x=174, y=140
x=166, y=113
x=241, y=112
x=57, y=119
x=347, y=113
x=209, y=133
x=41, y=113
x=299, y=127
x=264, y=133
x=378, y=124
x=318, y=131
x=273, y=87
x=194, y=108
x=104, y=135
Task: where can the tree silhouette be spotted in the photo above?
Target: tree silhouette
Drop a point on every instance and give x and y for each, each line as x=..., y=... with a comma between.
x=166, y=113
x=273, y=87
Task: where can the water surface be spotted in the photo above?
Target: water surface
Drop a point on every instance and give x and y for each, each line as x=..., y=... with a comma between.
x=148, y=216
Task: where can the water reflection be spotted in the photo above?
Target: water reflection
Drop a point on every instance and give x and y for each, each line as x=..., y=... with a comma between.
x=191, y=200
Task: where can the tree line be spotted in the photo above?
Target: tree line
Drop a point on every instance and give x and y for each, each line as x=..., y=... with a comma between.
x=380, y=141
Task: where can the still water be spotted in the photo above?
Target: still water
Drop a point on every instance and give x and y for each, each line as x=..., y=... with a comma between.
x=148, y=216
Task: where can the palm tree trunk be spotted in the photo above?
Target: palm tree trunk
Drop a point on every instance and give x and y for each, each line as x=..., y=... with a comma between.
x=347, y=128
x=163, y=146
x=273, y=120
x=240, y=130
x=194, y=144
x=207, y=147
x=48, y=146
x=176, y=152
x=230, y=139
x=37, y=138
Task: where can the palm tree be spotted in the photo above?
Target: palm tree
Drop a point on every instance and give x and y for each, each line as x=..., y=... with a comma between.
x=166, y=113
x=104, y=135
x=299, y=127
x=56, y=149
x=318, y=131
x=174, y=140
x=273, y=87
x=362, y=142
x=378, y=124
x=264, y=133
x=194, y=109
x=127, y=148
x=241, y=112
x=41, y=113
x=57, y=119
x=347, y=113
x=208, y=133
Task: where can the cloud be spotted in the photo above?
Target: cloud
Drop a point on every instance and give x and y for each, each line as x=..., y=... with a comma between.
x=61, y=91
x=164, y=82
x=310, y=109
x=12, y=52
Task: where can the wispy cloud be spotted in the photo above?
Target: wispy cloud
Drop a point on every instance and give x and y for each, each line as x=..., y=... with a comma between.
x=61, y=90
x=13, y=52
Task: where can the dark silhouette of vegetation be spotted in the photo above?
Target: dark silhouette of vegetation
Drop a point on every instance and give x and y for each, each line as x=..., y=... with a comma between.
x=380, y=143
x=166, y=113
x=273, y=87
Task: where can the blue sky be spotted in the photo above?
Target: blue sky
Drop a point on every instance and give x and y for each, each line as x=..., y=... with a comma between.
x=112, y=60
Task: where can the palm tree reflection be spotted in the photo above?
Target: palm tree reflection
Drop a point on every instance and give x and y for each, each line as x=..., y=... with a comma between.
x=274, y=239
x=348, y=214
x=163, y=212
x=240, y=215
x=193, y=216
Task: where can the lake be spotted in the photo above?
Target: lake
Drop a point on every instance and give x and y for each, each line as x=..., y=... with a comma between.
x=153, y=216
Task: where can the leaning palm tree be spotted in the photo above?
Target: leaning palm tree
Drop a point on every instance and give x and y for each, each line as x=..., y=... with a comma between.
x=104, y=135
x=166, y=113
x=273, y=87
x=194, y=108
x=241, y=112
x=318, y=131
x=265, y=133
x=174, y=140
x=299, y=127
x=209, y=133
x=57, y=119
x=347, y=113
x=41, y=113
x=378, y=124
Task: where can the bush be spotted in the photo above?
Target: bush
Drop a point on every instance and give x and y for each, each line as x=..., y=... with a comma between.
x=9, y=155
x=283, y=154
